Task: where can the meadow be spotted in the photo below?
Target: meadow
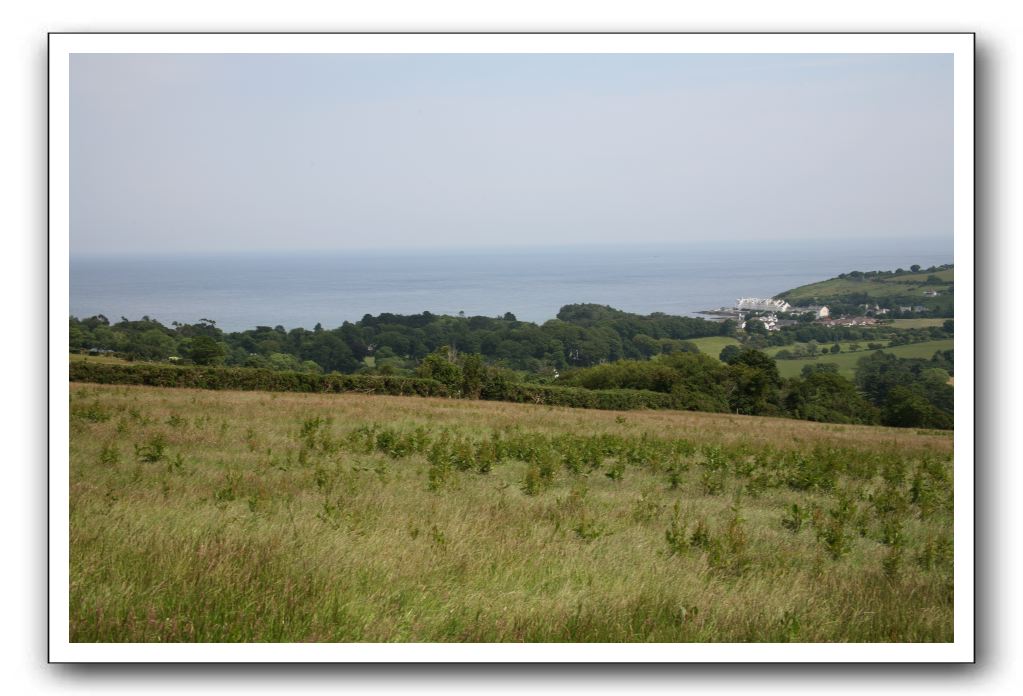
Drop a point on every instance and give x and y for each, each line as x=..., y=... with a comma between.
x=257, y=516
x=846, y=362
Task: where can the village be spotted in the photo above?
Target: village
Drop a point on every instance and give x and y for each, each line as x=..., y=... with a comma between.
x=776, y=314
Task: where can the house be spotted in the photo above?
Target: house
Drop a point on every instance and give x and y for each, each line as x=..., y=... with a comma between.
x=760, y=304
x=818, y=311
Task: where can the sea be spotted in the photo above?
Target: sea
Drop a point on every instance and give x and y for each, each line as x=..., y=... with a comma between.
x=301, y=289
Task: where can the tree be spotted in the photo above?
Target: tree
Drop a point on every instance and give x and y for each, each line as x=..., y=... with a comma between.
x=646, y=345
x=729, y=353
x=205, y=351
x=836, y=349
x=473, y=376
x=915, y=268
x=755, y=382
x=437, y=366
x=824, y=395
x=905, y=408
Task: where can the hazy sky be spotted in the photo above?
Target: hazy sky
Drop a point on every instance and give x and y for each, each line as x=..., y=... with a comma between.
x=221, y=152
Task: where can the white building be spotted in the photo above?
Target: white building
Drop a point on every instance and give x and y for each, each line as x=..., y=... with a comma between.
x=759, y=304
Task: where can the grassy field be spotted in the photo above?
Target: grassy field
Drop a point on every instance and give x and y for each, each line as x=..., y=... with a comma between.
x=917, y=323
x=229, y=516
x=106, y=359
x=713, y=345
x=847, y=361
x=774, y=350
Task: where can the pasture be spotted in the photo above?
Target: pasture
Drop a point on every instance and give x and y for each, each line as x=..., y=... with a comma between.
x=255, y=516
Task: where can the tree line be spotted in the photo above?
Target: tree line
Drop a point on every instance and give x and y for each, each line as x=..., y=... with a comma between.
x=581, y=335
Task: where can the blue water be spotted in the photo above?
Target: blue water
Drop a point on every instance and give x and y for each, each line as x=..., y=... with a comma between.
x=242, y=291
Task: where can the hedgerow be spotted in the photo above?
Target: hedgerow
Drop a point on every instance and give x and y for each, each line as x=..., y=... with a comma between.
x=252, y=379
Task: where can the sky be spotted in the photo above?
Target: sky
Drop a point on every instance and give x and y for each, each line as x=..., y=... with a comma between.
x=202, y=153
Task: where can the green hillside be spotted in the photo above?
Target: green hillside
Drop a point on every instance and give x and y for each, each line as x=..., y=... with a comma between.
x=885, y=288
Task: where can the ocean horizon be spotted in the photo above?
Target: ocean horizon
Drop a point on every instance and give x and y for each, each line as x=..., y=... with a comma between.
x=242, y=290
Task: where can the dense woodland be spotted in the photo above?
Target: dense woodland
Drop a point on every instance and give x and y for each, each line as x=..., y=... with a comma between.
x=580, y=336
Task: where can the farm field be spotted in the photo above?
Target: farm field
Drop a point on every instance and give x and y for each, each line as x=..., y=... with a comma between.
x=256, y=516
x=916, y=323
x=774, y=350
x=847, y=361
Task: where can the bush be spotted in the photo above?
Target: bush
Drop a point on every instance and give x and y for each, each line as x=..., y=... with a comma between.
x=252, y=379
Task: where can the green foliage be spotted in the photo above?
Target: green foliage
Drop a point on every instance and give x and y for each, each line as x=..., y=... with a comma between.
x=729, y=354
x=248, y=379
x=794, y=518
x=205, y=351
x=677, y=534
x=153, y=450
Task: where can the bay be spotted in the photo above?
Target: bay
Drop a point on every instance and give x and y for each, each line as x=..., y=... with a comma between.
x=300, y=289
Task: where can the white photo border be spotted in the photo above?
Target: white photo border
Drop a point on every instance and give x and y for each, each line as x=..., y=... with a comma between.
x=62, y=45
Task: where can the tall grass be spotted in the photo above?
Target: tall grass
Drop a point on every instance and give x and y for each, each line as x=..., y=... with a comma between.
x=224, y=516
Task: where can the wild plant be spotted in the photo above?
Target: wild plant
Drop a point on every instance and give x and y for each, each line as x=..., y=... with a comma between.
x=485, y=456
x=676, y=535
x=646, y=508
x=110, y=455
x=794, y=518
x=532, y=483
x=438, y=474
x=729, y=553
x=153, y=450
x=572, y=460
x=894, y=471
x=889, y=501
x=789, y=626
x=616, y=471
x=807, y=473
x=936, y=552
x=891, y=564
x=832, y=534
x=177, y=464
x=324, y=479
x=700, y=538
x=439, y=453
x=176, y=421
x=331, y=512
x=744, y=467
x=93, y=413
x=463, y=455
x=891, y=532
x=714, y=458
x=255, y=501
x=674, y=478
x=229, y=491
x=310, y=428
x=588, y=530
x=713, y=481
x=136, y=415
